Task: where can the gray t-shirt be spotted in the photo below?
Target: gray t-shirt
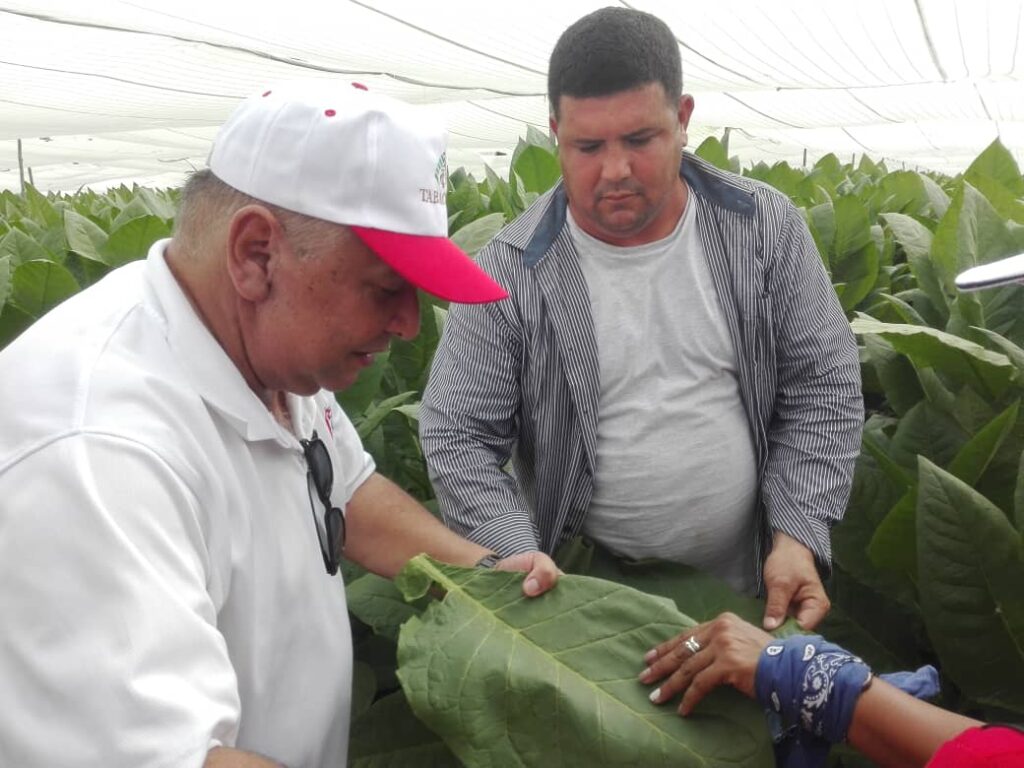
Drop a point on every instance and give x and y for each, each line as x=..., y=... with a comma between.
x=676, y=469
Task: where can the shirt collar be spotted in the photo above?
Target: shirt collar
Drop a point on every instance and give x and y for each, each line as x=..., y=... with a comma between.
x=214, y=375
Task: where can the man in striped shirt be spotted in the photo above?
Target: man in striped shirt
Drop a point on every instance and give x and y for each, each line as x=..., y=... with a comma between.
x=672, y=375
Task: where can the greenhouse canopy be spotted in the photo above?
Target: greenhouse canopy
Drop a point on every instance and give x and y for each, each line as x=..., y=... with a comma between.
x=102, y=92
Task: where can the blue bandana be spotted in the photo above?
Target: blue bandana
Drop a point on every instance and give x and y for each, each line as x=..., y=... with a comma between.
x=809, y=688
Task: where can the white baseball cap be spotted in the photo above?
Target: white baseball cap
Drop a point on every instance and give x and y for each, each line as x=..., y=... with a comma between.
x=337, y=152
x=995, y=273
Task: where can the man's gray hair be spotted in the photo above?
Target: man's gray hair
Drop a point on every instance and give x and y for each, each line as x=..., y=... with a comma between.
x=207, y=204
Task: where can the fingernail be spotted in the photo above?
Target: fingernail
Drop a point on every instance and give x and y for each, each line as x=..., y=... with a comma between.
x=651, y=655
x=645, y=673
x=655, y=695
x=532, y=586
x=771, y=622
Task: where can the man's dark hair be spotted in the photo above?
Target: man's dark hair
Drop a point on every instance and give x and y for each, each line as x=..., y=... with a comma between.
x=613, y=50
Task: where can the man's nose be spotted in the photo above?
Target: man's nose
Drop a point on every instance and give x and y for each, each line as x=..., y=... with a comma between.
x=615, y=165
x=405, y=324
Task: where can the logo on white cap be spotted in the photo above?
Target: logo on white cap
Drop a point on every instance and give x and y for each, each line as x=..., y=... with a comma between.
x=438, y=195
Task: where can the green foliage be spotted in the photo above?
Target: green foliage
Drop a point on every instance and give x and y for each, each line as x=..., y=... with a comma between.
x=508, y=680
x=933, y=527
x=38, y=286
x=928, y=557
x=389, y=735
x=971, y=599
x=717, y=153
x=54, y=245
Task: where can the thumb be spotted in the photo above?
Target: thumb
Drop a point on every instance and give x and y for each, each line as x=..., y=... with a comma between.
x=811, y=611
x=776, y=606
x=542, y=577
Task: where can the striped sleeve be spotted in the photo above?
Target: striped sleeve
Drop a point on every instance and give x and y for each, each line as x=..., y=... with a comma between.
x=469, y=423
x=815, y=430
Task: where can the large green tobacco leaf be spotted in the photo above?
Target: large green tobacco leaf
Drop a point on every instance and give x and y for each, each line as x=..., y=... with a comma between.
x=1007, y=204
x=508, y=680
x=895, y=373
x=903, y=310
x=974, y=458
x=997, y=163
x=379, y=604
x=1007, y=347
x=785, y=179
x=715, y=152
x=131, y=240
x=39, y=286
x=500, y=194
x=388, y=735
x=971, y=568
x=50, y=238
x=703, y=595
x=21, y=248
x=535, y=136
x=135, y=208
x=904, y=192
x=938, y=198
x=872, y=495
x=926, y=431
x=538, y=168
x=158, y=202
x=894, y=545
x=41, y=209
x=465, y=203
x=972, y=232
x=1002, y=311
x=821, y=220
x=963, y=361
x=84, y=237
x=476, y=234
x=916, y=240
x=855, y=259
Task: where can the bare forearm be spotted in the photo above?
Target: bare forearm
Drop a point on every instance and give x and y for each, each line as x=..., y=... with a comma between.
x=899, y=731
x=385, y=527
x=224, y=757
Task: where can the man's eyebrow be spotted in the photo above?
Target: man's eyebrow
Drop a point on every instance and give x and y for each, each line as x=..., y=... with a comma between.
x=645, y=131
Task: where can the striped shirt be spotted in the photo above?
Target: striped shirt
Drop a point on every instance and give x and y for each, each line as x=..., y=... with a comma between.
x=518, y=380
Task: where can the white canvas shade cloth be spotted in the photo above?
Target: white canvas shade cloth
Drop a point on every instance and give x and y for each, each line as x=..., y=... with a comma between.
x=105, y=92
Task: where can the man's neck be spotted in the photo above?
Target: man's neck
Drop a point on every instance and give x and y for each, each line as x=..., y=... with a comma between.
x=278, y=405
x=209, y=294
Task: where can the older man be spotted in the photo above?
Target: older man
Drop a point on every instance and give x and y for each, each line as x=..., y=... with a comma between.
x=672, y=375
x=175, y=476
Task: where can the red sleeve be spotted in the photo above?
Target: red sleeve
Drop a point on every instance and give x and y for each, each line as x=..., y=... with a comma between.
x=984, y=747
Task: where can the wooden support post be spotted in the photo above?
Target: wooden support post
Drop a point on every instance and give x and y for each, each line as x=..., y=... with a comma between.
x=21, y=168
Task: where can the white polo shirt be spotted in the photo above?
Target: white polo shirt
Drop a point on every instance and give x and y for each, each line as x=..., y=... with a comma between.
x=162, y=589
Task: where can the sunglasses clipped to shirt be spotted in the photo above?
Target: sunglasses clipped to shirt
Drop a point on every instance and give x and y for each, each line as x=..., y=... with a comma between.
x=330, y=529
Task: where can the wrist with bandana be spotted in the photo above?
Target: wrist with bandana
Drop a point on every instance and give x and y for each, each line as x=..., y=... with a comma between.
x=809, y=689
x=811, y=683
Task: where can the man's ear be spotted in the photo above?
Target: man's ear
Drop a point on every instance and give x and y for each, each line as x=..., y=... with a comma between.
x=255, y=239
x=683, y=114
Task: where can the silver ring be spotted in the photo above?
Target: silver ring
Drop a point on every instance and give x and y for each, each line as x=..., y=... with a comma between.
x=692, y=645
